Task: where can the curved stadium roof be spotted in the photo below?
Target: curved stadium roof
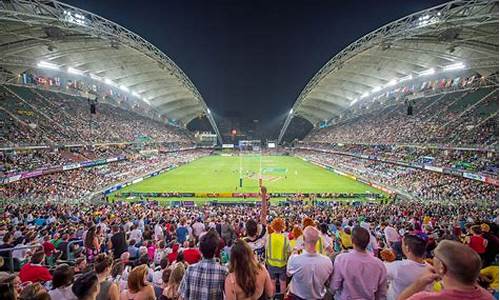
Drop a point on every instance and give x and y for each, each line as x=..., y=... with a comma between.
x=455, y=35
x=68, y=37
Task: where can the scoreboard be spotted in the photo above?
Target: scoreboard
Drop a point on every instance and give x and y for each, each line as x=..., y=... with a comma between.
x=250, y=145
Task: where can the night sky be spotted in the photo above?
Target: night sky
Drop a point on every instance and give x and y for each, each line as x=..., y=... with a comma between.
x=251, y=57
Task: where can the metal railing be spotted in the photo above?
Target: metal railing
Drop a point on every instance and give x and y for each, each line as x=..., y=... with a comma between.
x=10, y=250
x=69, y=255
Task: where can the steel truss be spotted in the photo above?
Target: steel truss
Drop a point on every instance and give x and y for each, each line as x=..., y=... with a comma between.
x=460, y=13
x=59, y=15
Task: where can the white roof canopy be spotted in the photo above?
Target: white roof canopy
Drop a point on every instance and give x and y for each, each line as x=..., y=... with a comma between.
x=68, y=37
x=460, y=34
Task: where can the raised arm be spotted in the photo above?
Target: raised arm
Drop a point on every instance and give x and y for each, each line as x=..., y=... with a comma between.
x=264, y=205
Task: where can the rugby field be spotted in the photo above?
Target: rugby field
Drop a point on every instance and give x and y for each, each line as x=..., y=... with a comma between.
x=220, y=174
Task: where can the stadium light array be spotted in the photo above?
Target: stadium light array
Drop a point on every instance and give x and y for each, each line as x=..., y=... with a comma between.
x=427, y=72
x=291, y=111
x=427, y=20
x=456, y=66
x=75, y=71
x=109, y=81
x=47, y=65
x=74, y=18
x=208, y=110
x=95, y=77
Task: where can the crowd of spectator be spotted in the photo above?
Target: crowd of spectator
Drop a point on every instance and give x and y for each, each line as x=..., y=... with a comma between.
x=15, y=161
x=460, y=118
x=30, y=118
x=83, y=182
x=422, y=184
x=400, y=250
x=483, y=161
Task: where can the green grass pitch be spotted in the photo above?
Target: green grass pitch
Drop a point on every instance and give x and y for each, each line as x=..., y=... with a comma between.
x=216, y=174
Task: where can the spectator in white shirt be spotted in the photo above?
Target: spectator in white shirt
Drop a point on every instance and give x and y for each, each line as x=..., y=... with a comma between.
x=135, y=234
x=391, y=235
x=198, y=228
x=403, y=273
x=159, y=231
x=310, y=270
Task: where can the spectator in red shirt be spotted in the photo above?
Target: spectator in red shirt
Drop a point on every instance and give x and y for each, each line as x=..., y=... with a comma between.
x=34, y=271
x=173, y=255
x=48, y=247
x=476, y=241
x=192, y=255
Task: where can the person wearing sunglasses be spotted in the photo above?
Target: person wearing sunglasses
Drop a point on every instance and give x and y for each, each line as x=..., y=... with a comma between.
x=458, y=266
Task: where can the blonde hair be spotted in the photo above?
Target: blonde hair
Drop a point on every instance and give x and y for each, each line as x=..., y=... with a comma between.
x=177, y=274
x=171, y=290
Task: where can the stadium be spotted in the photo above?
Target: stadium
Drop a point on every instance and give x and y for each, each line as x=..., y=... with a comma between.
x=120, y=180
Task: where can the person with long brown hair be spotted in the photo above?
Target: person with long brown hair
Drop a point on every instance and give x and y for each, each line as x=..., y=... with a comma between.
x=137, y=286
x=247, y=279
x=92, y=244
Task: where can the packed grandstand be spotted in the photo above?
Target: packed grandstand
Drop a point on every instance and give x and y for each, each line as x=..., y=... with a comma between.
x=396, y=112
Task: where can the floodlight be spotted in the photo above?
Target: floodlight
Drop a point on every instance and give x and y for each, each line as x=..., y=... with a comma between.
x=455, y=66
x=74, y=71
x=47, y=65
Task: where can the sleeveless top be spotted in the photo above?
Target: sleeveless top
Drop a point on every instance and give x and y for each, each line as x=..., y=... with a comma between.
x=104, y=290
x=477, y=243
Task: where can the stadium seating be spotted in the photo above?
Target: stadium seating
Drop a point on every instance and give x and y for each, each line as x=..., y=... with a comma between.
x=40, y=118
x=451, y=119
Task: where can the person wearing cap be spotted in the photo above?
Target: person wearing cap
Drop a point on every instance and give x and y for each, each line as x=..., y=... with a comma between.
x=310, y=270
x=458, y=266
x=358, y=274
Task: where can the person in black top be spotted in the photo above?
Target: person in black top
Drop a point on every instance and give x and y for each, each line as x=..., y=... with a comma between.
x=118, y=242
x=63, y=246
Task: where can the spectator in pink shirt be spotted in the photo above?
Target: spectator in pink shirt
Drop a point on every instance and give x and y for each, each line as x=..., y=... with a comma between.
x=151, y=250
x=358, y=274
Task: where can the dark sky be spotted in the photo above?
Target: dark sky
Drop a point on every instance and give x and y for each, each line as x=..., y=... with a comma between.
x=252, y=57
